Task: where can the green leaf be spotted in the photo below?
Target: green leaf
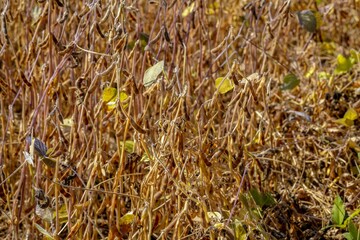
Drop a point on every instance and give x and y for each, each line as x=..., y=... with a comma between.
x=262, y=199
x=343, y=64
x=290, y=82
x=129, y=146
x=239, y=231
x=224, y=85
x=338, y=211
x=307, y=20
x=152, y=73
x=354, y=231
x=348, y=236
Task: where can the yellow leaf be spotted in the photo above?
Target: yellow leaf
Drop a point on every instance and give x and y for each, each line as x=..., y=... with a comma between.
x=324, y=76
x=128, y=218
x=213, y=7
x=224, y=85
x=343, y=64
x=188, y=10
x=219, y=226
x=109, y=94
x=63, y=214
x=239, y=231
x=344, y=121
x=310, y=72
x=351, y=114
x=129, y=146
x=112, y=104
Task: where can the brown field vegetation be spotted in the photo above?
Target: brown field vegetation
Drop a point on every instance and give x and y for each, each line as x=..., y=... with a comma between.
x=168, y=119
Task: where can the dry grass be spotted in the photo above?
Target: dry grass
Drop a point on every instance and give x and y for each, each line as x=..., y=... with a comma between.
x=197, y=153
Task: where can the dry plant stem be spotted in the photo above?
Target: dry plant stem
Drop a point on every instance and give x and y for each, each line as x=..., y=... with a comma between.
x=238, y=193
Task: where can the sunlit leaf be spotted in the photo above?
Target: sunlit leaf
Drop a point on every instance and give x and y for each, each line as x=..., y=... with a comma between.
x=307, y=20
x=28, y=158
x=351, y=114
x=310, y=72
x=290, y=82
x=189, y=9
x=152, y=73
x=109, y=94
x=128, y=218
x=224, y=85
x=343, y=64
x=112, y=104
x=239, y=231
x=349, y=117
x=43, y=231
x=338, y=211
x=219, y=225
x=215, y=216
x=344, y=121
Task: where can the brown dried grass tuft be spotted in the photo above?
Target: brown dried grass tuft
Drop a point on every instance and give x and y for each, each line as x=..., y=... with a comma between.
x=196, y=153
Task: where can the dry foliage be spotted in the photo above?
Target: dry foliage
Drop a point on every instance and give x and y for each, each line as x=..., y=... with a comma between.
x=176, y=159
